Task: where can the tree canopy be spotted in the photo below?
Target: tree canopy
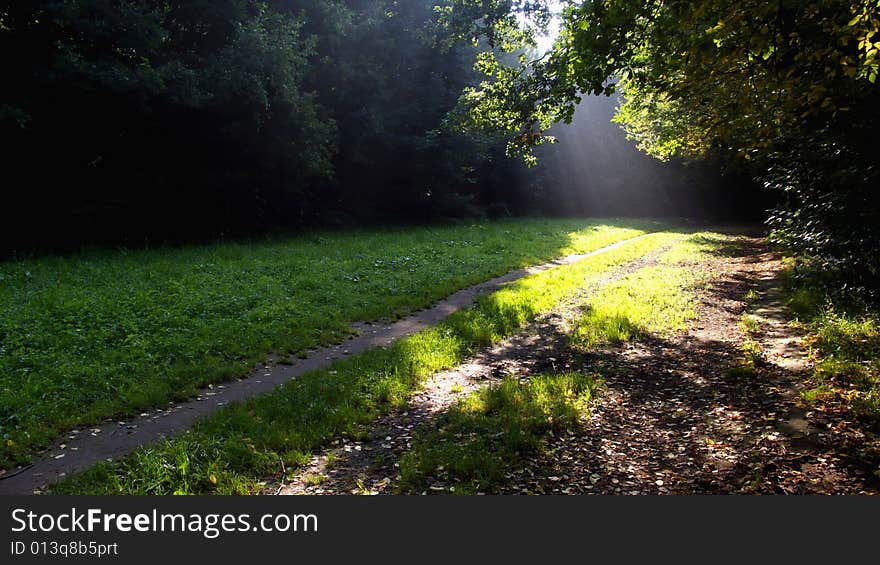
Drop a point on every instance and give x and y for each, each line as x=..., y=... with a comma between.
x=134, y=120
x=141, y=121
x=786, y=90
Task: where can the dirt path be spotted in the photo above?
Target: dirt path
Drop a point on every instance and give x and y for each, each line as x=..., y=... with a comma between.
x=676, y=420
x=82, y=448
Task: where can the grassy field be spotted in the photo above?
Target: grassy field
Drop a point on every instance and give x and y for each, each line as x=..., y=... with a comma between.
x=108, y=334
x=240, y=445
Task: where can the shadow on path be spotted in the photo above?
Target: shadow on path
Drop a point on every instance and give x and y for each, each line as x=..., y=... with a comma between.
x=685, y=415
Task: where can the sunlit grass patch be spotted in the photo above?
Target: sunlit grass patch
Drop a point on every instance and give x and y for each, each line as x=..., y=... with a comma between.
x=752, y=352
x=658, y=300
x=242, y=444
x=848, y=351
x=483, y=436
x=750, y=324
x=696, y=247
x=315, y=480
x=751, y=359
x=651, y=300
x=819, y=393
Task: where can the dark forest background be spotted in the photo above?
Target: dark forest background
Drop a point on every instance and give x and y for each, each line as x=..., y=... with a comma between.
x=142, y=122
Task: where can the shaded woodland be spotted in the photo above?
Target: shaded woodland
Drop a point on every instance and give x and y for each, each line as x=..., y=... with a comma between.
x=145, y=122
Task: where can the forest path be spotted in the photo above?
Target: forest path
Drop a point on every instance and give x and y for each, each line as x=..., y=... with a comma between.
x=82, y=448
x=679, y=415
x=688, y=415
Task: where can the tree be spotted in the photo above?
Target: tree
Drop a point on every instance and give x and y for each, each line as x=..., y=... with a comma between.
x=158, y=118
x=133, y=120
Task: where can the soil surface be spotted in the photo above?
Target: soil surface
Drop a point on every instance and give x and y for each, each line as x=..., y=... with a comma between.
x=676, y=420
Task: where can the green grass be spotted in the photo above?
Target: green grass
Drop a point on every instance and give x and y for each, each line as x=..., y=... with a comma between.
x=847, y=348
x=750, y=325
x=698, y=247
x=651, y=300
x=315, y=480
x=746, y=369
x=242, y=444
x=741, y=374
x=843, y=334
x=109, y=334
x=484, y=435
x=658, y=299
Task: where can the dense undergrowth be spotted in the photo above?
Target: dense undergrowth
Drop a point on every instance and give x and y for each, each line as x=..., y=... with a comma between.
x=843, y=334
